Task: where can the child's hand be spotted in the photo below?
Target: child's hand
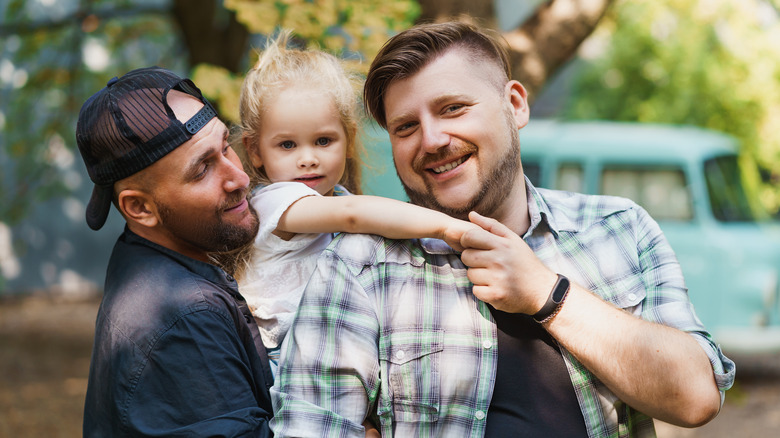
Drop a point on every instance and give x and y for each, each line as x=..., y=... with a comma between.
x=505, y=271
x=454, y=231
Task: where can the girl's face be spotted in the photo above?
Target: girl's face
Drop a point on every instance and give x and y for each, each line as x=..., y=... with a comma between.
x=302, y=139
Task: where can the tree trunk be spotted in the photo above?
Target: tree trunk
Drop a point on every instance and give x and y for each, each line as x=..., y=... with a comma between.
x=542, y=44
x=211, y=33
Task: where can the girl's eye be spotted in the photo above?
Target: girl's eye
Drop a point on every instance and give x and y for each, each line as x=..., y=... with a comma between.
x=287, y=144
x=323, y=141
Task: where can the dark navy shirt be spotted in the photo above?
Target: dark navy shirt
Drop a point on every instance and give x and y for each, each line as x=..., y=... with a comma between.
x=176, y=352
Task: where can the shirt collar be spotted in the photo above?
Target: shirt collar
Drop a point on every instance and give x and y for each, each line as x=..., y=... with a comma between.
x=571, y=213
x=208, y=271
x=538, y=211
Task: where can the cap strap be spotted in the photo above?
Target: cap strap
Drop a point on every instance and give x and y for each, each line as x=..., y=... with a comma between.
x=200, y=119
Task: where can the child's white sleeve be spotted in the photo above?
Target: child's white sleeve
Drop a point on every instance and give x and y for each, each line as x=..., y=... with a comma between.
x=271, y=202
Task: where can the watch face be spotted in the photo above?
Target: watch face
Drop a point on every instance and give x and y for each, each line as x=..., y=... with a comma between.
x=560, y=289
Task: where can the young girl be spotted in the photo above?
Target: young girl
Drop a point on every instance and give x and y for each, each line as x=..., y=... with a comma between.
x=299, y=130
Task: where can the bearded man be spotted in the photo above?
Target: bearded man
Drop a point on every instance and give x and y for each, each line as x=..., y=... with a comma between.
x=177, y=351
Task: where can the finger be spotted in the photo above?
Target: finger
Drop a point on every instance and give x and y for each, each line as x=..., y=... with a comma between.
x=490, y=224
x=474, y=258
x=479, y=276
x=456, y=246
x=485, y=293
x=479, y=238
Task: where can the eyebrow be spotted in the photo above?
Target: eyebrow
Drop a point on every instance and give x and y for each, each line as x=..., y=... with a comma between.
x=438, y=101
x=192, y=166
x=399, y=118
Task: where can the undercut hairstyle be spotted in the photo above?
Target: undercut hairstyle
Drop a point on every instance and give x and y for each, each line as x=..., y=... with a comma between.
x=408, y=52
x=280, y=67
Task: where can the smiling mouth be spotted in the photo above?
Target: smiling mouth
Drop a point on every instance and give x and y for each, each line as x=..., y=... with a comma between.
x=237, y=206
x=451, y=165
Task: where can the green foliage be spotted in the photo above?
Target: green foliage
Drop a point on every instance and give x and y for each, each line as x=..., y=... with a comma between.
x=51, y=60
x=343, y=27
x=352, y=29
x=714, y=64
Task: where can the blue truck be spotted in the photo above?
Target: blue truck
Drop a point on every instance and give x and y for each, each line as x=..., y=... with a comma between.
x=688, y=179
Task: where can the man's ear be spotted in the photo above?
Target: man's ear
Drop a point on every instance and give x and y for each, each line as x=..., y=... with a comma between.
x=251, y=150
x=517, y=97
x=139, y=207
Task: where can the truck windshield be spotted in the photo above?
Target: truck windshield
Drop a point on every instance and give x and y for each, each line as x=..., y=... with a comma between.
x=727, y=194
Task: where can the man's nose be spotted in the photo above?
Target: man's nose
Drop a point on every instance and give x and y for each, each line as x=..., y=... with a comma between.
x=433, y=136
x=235, y=177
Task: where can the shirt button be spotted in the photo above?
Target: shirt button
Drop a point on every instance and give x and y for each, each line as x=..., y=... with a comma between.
x=487, y=344
x=480, y=415
x=400, y=354
x=632, y=297
x=229, y=277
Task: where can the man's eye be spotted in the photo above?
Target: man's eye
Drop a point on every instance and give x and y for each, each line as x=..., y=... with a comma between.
x=404, y=128
x=453, y=108
x=202, y=171
x=323, y=141
x=287, y=144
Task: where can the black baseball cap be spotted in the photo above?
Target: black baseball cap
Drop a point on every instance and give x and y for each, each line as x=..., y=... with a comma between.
x=128, y=126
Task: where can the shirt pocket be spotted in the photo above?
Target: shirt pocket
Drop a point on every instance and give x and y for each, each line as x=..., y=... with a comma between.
x=409, y=358
x=627, y=292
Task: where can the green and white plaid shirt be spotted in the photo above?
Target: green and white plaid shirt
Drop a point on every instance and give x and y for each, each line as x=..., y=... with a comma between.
x=390, y=329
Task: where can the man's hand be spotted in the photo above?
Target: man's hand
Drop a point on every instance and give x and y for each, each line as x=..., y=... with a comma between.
x=505, y=271
x=453, y=231
x=371, y=430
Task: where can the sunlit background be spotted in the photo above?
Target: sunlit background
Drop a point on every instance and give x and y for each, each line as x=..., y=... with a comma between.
x=709, y=64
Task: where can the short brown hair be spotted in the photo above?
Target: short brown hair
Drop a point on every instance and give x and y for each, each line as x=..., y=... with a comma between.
x=408, y=52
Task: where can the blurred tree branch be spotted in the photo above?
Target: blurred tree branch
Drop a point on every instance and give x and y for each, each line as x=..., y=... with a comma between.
x=211, y=33
x=542, y=44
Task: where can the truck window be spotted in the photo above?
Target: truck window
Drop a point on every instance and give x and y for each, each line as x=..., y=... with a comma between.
x=727, y=195
x=661, y=191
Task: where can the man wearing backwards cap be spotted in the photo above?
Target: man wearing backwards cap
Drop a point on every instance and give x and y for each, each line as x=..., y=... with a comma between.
x=176, y=352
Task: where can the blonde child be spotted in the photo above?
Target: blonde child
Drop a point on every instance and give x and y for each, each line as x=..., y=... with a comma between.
x=299, y=131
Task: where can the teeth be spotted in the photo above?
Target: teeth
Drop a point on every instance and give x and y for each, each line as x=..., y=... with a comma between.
x=449, y=166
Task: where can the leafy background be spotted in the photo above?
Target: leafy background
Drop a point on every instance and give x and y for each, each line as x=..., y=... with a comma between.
x=711, y=63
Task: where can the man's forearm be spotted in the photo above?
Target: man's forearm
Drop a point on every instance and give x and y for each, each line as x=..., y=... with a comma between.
x=659, y=370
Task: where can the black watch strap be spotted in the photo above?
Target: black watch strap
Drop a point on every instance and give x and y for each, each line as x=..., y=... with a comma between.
x=559, y=292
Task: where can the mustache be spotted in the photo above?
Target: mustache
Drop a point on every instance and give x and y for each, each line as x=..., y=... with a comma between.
x=453, y=151
x=233, y=200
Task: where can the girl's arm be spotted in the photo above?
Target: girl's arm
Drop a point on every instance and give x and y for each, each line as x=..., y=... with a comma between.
x=370, y=215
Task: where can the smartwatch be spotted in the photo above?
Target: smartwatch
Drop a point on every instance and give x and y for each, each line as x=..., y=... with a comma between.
x=554, y=301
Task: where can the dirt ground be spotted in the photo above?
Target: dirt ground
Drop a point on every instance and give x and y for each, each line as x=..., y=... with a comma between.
x=45, y=346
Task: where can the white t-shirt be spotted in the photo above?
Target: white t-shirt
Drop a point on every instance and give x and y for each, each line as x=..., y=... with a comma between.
x=273, y=284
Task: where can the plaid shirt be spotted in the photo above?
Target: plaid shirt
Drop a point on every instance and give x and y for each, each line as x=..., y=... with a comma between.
x=390, y=329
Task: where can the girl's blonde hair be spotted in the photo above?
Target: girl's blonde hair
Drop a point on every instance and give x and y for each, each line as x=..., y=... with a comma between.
x=279, y=67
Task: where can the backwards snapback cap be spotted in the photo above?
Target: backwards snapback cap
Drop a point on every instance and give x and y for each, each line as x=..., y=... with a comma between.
x=128, y=126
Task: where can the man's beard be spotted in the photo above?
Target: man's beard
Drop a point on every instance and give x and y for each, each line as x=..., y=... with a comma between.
x=206, y=234
x=494, y=188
